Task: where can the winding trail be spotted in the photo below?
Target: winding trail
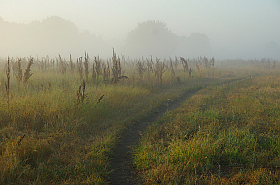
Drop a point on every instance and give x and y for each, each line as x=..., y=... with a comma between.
x=122, y=168
x=121, y=163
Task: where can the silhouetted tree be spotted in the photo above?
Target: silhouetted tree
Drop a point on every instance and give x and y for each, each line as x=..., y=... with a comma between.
x=50, y=36
x=151, y=38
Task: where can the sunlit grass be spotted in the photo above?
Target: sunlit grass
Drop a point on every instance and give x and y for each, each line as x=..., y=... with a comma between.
x=48, y=137
x=225, y=134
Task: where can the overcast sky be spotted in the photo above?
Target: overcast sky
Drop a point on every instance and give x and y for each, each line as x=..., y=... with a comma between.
x=236, y=26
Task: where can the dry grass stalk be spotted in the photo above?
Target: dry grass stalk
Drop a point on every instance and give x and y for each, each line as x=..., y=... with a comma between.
x=20, y=139
x=197, y=68
x=43, y=64
x=176, y=62
x=13, y=66
x=72, y=65
x=150, y=65
x=7, y=84
x=52, y=64
x=185, y=64
x=171, y=66
x=57, y=63
x=93, y=73
x=46, y=87
x=205, y=62
x=190, y=72
x=81, y=95
x=119, y=67
x=80, y=67
x=108, y=69
x=140, y=67
x=18, y=73
x=47, y=62
x=97, y=68
x=86, y=64
x=100, y=99
x=106, y=72
x=27, y=73
x=212, y=62
x=159, y=70
x=62, y=65
x=116, y=69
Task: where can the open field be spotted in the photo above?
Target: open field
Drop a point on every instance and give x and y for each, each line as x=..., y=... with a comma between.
x=225, y=134
x=60, y=119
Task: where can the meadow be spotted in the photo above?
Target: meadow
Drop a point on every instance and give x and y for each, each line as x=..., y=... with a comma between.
x=60, y=118
x=225, y=134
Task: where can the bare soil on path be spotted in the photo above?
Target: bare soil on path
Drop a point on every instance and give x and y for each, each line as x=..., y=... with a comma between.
x=122, y=168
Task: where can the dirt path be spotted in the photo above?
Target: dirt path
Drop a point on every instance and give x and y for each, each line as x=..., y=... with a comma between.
x=121, y=164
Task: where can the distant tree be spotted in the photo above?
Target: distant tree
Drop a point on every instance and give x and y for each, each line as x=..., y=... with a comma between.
x=154, y=38
x=151, y=38
x=50, y=36
x=58, y=27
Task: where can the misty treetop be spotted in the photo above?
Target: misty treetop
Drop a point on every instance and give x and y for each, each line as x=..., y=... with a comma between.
x=151, y=38
x=54, y=35
x=47, y=37
x=154, y=38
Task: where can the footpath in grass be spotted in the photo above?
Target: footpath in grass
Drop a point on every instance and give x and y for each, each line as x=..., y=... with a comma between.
x=49, y=137
x=55, y=129
x=225, y=134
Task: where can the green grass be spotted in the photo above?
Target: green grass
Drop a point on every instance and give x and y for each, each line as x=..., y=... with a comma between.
x=225, y=134
x=67, y=142
x=47, y=138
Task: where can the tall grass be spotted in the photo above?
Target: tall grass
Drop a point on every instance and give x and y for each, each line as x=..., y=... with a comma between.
x=46, y=137
x=59, y=127
x=226, y=134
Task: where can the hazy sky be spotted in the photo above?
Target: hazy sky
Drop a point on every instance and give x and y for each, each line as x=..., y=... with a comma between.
x=236, y=26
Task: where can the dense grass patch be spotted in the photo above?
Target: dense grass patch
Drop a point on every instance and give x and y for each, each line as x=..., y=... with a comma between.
x=226, y=134
x=52, y=132
x=48, y=137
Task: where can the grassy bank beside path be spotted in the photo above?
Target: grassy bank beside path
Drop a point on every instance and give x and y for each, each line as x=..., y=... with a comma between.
x=225, y=134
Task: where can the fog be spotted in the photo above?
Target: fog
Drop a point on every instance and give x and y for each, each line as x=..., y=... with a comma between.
x=161, y=28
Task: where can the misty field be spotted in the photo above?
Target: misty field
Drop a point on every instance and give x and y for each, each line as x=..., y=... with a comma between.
x=225, y=134
x=61, y=118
